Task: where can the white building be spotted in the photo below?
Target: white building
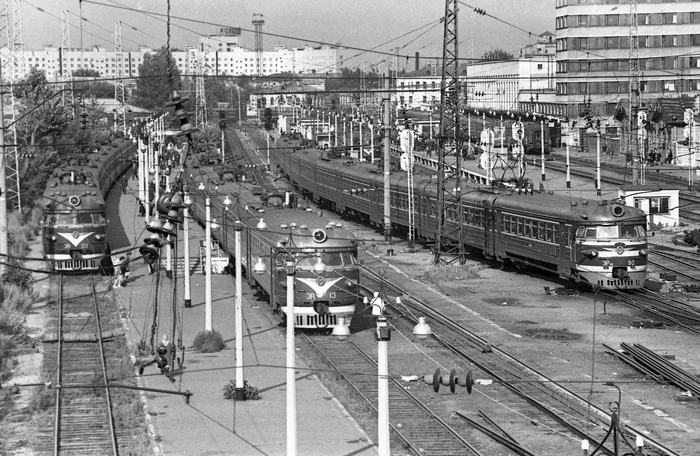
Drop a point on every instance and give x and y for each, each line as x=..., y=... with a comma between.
x=220, y=55
x=499, y=85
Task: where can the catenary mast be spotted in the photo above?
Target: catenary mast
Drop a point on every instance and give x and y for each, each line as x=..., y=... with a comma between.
x=449, y=144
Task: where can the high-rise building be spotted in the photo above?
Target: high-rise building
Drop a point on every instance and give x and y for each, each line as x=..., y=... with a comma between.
x=593, y=52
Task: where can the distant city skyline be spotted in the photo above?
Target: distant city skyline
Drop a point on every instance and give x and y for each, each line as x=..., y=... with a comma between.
x=369, y=30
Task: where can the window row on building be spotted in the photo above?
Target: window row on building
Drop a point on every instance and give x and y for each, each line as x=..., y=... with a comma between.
x=622, y=87
x=587, y=43
x=613, y=20
x=658, y=63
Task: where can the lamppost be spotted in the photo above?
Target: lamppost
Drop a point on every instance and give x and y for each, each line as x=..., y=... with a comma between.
x=208, y=226
x=290, y=269
x=240, y=383
x=187, y=200
x=383, y=334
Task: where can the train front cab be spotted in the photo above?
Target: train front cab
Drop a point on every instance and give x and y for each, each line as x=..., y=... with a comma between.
x=611, y=255
x=76, y=241
x=319, y=297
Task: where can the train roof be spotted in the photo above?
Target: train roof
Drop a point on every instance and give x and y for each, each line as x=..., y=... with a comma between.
x=560, y=205
x=307, y=228
x=74, y=185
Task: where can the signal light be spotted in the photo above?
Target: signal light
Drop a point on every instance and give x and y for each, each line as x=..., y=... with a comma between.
x=180, y=113
x=149, y=254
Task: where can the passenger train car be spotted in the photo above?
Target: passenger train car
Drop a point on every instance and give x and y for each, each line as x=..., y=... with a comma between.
x=274, y=230
x=602, y=243
x=74, y=225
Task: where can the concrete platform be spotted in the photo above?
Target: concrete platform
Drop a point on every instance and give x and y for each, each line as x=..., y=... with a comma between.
x=211, y=425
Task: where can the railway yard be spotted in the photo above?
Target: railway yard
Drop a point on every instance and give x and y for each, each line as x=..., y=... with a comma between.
x=538, y=365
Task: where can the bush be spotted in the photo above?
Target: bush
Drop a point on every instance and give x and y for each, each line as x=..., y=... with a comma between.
x=251, y=393
x=209, y=342
x=449, y=273
x=21, y=278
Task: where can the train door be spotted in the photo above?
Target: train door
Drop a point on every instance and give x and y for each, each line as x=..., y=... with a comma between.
x=565, y=250
x=488, y=227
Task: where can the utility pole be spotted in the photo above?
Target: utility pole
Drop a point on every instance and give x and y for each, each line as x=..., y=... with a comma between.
x=450, y=142
x=634, y=92
x=3, y=187
x=387, y=156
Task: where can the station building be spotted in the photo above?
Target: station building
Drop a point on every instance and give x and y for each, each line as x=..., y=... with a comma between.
x=593, y=52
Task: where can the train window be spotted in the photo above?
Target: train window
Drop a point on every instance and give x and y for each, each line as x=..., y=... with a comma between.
x=520, y=226
x=630, y=231
x=549, y=232
x=65, y=219
x=84, y=218
x=527, y=231
x=540, y=230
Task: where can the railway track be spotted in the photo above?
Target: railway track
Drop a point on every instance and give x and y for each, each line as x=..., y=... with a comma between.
x=421, y=430
x=683, y=264
x=524, y=389
x=83, y=420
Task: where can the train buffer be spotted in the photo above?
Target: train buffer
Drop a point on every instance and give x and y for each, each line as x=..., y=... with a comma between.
x=219, y=260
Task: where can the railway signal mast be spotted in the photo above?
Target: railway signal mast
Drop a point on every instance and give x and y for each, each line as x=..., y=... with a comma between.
x=450, y=141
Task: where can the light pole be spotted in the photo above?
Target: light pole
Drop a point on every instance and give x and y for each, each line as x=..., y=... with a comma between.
x=383, y=333
x=291, y=368
x=186, y=228
x=542, y=145
x=240, y=384
x=207, y=266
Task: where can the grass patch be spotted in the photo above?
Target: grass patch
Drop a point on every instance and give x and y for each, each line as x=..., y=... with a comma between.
x=448, y=273
x=209, y=342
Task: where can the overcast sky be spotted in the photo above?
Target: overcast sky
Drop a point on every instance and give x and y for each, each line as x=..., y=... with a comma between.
x=379, y=25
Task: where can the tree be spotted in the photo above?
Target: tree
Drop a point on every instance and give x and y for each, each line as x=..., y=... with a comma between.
x=41, y=113
x=153, y=87
x=86, y=73
x=497, y=54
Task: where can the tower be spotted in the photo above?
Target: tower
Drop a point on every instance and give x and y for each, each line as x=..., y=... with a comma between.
x=634, y=92
x=450, y=141
x=9, y=55
x=17, y=41
x=200, y=105
x=64, y=71
x=119, y=99
x=258, y=22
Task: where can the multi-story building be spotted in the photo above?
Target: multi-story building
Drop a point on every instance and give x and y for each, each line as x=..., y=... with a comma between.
x=523, y=84
x=219, y=55
x=593, y=52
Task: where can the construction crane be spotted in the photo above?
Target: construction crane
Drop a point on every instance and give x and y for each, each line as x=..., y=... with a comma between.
x=450, y=141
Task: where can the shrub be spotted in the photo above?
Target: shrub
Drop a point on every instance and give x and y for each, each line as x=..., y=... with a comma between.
x=209, y=342
x=15, y=275
x=251, y=393
x=449, y=273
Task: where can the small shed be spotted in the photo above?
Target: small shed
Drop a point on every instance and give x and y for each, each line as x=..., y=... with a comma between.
x=661, y=206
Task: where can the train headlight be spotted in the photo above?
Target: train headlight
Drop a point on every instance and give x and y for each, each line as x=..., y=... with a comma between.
x=590, y=253
x=643, y=252
x=349, y=283
x=99, y=237
x=51, y=238
x=319, y=235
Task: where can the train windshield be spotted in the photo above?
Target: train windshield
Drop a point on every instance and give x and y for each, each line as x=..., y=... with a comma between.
x=610, y=231
x=330, y=259
x=81, y=218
